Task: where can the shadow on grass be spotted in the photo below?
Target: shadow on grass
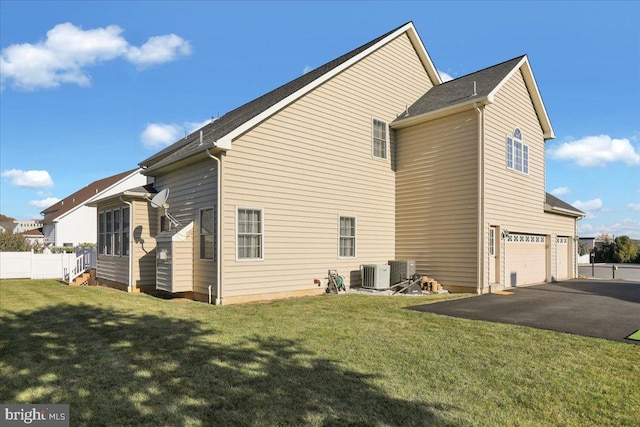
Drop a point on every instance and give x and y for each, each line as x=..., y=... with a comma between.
x=116, y=368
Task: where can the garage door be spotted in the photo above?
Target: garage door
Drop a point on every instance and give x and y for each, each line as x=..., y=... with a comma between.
x=562, y=257
x=526, y=259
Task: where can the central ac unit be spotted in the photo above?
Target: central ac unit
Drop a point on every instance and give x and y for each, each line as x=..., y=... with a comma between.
x=375, y=276
x=401, y=270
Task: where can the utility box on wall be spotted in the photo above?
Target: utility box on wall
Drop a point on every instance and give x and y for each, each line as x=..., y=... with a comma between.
x=174, y=259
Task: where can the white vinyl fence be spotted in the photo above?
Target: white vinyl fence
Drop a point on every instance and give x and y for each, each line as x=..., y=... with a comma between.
x=27, y=265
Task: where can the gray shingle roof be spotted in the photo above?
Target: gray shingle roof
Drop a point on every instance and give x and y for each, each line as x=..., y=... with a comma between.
x=235, y=118
x=460, y=90
x=554, y=202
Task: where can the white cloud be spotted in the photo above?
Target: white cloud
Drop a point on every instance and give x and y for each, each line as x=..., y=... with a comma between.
x=158, y=50
x=160, y=135
x=30, y=179
x=445, y=77
x=68, y=50
x=626, y=227
x=560, y=191
x=589, y=206
x=592, y=151
x=634, y=206
x=306, y=69
x=44, y=203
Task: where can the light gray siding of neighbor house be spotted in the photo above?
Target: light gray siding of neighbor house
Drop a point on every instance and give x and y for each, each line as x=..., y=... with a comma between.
x=312, y=162
x=437, y=198
x=192, y=186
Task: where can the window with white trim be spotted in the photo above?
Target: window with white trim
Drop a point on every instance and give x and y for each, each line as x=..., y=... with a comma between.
x=249, y=239
x=380, y=136
x=517, y=153
x=207, y=233
x=347, y=237
x=492, y=241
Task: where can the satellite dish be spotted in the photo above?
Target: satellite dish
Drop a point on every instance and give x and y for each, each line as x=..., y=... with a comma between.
x=160, y=199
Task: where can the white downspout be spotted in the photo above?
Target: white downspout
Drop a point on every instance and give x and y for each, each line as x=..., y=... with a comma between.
x=480, y=264
x=129, y=285
x=218, y=300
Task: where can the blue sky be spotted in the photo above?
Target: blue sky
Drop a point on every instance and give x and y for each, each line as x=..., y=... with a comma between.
x=89, y=89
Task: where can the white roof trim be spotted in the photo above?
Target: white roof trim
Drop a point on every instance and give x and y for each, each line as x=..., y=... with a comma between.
x=536, y=98
x=95, y=196
x=445, y=111
x=225, y=141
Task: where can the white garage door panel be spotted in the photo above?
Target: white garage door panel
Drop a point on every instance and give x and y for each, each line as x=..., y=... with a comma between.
x=562, y=258
x=526, y=261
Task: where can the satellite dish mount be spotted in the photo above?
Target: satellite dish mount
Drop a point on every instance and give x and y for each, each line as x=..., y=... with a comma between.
x=159, y=201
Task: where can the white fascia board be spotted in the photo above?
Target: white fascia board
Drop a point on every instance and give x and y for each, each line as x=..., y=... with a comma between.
x=95, y=198
x=452, y=109
x=562, y=211
x=226, y=141
x=534, y=93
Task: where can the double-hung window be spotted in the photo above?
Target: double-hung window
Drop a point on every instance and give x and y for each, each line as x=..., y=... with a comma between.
x=380, y=142
x=249, y=239
x=207, y=233
x=347, y=237
x=517, y=153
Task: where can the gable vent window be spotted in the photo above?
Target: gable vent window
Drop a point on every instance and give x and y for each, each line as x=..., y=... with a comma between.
x=380, y=139
x=517, y=153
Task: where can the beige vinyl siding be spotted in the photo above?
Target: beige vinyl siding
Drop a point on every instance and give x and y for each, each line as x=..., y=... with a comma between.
x=175, y=274
x=312, y=162
x=515, y=201
x=192, y=187
x=436, y=191
x=142, y=234
x=112, y=267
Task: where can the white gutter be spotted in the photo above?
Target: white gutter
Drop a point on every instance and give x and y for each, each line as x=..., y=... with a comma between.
x=480, y=259
x=129, y=285
x=218, y=300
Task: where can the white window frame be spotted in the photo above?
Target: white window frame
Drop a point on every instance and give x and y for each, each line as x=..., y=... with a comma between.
x=213, y=233
x=354, y=237
x=517, y=153
x=492, y=241
x=374, y=139
x=261, y=234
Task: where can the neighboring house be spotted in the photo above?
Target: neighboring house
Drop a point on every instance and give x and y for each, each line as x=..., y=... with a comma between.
x=18, y=226
x=366, y=159
x=34, y=237
x=70, y=223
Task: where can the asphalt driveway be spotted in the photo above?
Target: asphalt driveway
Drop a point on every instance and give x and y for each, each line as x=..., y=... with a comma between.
x=596, y=308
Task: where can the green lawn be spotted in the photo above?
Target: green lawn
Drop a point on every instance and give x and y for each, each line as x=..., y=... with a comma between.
x=354, y=360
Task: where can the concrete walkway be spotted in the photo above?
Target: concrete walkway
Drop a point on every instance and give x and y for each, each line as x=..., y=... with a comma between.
x=594, y=308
